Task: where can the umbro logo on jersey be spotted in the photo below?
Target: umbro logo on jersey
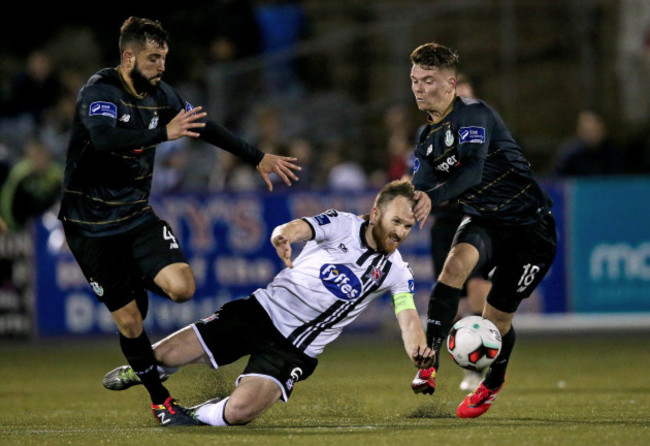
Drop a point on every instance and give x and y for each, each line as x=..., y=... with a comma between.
x=343, y=248
x=125, y=118
x=429, y=149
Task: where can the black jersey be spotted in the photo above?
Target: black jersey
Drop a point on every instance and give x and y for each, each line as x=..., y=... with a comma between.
x=471, y=155
x=110, y=159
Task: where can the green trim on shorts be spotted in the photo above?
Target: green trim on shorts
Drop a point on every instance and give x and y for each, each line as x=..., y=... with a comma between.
x=403, y=301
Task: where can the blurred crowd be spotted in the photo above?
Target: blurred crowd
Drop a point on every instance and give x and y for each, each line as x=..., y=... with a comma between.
x=236, y=59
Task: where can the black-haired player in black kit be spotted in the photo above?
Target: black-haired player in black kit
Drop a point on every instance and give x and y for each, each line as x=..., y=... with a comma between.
x=122, y=247
x=467, y=152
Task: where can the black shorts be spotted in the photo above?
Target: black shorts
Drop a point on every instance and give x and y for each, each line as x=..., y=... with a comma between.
x=443, y=231
x=242, y=327
x=520, y=255
x=119, y=268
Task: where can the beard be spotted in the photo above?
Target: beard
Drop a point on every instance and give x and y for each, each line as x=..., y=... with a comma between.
x=383, y=240
x=141, y=83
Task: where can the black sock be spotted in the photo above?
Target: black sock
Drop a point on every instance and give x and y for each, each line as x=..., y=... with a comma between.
x=496, y=374
x=443, y=306
x=139, y=354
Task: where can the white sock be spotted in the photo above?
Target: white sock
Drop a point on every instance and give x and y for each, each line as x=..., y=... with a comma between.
x=212, y=414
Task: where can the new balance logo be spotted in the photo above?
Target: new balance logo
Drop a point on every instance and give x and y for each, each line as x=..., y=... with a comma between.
x=163, y=420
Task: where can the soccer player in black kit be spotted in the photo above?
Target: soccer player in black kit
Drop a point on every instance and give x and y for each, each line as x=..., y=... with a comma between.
x=467, y=152
x=122, y=247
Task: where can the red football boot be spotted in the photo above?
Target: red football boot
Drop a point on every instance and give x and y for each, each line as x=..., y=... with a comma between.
x=478, y=402
x=424, y=381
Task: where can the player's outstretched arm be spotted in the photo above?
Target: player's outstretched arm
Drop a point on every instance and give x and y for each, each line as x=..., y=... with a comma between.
x=284, y=235
x=415, y=342
x=283, y=166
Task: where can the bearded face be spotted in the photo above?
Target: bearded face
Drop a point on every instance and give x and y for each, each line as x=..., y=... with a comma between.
x=141, y=82
x=392, y=225
x=386, y=240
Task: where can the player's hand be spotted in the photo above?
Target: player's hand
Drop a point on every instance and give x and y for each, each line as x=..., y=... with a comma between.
x=424, y=381
x=422, y=207
x=423, y=357
x=283, y=248
x=184, y=122
x=281, y=165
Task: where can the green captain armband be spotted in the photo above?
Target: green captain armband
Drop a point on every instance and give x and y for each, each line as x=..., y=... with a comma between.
x=403, y=301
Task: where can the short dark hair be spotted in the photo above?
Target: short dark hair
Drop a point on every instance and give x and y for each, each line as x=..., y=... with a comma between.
x=136, y=30
x=432, y=54
x=396, y=188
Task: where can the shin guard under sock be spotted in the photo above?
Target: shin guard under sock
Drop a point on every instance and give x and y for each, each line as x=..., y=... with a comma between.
x=140, y=357
x=443, y=306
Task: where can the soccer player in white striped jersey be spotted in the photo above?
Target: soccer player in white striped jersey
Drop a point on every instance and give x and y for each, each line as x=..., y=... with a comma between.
x=347, y=262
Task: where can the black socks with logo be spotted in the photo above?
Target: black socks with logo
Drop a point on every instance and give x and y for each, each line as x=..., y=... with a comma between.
x=139, y=354
x=443, y=306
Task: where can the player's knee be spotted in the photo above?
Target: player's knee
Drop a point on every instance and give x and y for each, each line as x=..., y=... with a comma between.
x=130, y=327
x=128, y=320
x=180, y=290
x=240, y=414
x=182, y=293
x=177, y=282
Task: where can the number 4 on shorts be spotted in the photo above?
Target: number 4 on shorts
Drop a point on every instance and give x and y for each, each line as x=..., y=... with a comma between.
x=167, y=235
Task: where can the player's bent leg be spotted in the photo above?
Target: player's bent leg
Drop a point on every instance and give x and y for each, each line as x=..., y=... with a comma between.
x=477, y=291
x=480, y=400
x=501, y=319
x=253, y=396
x=459, y=265
x=128, y=320
x=177, y=281
x=180, y=348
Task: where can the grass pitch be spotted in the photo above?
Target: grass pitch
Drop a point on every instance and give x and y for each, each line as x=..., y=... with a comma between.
x=561, y=390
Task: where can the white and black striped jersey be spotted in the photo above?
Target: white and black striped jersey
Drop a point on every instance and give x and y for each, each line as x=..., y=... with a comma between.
x=332, y=281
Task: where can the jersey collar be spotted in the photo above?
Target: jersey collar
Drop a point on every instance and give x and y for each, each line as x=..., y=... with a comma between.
x=362, y=235
x=444, y=115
